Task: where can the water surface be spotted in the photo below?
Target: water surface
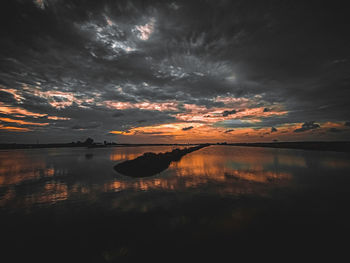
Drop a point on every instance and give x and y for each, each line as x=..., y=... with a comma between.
x=218, y=202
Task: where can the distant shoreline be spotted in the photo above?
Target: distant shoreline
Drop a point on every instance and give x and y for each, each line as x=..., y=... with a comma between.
x=338, y=146
x=10, y=146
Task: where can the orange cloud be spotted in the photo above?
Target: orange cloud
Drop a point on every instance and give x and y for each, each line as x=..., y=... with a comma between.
x=176, y=132
x=20, y=122
x=202, y=114
x=15, y=129
x=18, y=112
x=173, y=132
x=13, y=92
x=57, y=99
x=118, y=132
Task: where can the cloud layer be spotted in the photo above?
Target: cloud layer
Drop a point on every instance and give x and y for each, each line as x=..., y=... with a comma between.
x=146, y=71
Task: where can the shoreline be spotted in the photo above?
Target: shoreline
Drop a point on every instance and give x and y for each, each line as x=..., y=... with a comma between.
x=336, y=146
x=14, y=146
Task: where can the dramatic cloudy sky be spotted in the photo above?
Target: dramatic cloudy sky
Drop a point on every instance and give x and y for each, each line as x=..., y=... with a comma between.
x=174, y=71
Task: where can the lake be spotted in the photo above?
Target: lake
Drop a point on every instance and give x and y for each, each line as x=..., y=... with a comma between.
x=220, y=203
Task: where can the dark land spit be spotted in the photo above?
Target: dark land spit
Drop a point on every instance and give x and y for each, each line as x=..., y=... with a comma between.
x=151, y=163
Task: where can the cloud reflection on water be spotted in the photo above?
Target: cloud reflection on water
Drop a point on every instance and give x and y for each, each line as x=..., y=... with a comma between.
x=32, y=177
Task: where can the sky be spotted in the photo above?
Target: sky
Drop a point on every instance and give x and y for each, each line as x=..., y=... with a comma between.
x=174, y=71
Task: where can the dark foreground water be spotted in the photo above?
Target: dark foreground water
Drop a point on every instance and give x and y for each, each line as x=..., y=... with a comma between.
x=218, y=204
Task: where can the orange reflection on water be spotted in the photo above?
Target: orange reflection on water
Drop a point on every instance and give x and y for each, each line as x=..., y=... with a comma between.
x=79, y=189
x=21, y=167
x=117, y=156
x=335, y=163
x=260, y=176
x=219, y=163
x=214, y=169
x=52, y=192
x=129, y=153
x=143, y=184
x=237, y=171
x=292, y=160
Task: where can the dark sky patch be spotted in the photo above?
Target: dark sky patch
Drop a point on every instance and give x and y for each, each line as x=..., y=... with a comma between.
x=335, y=130
x=118, y=114
x=228, y=112
x=187, y=128
x=309, y=125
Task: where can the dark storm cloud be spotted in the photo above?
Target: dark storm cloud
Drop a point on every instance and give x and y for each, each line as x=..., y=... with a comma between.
x=335, y=130
x=310, y=125
x=227, y=113
x=7, y=97
x=133, y=118
x=67, y=58
x=118, y=114
x=187, y=128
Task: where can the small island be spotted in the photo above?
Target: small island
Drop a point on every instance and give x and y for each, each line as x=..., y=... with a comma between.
x=151, y=163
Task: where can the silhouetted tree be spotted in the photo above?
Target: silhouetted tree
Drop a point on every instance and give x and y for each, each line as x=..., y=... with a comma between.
x=89, y=141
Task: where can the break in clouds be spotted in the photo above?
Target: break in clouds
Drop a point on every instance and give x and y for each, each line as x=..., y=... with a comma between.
x=165, y=71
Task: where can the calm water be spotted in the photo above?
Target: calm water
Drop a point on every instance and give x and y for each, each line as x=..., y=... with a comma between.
x=219, y=203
